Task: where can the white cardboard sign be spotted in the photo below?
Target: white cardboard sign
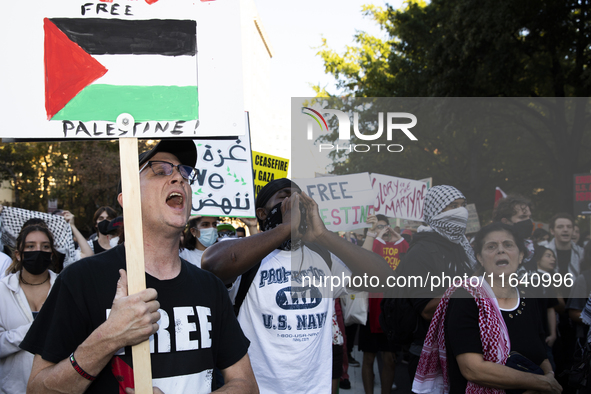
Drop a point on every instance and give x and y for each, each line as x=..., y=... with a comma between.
x=75, y=66
x=344, y=202
x=399, y=197
x=225, y=184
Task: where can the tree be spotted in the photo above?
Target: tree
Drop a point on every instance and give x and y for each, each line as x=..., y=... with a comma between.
x=81, y=175
x=464, y=48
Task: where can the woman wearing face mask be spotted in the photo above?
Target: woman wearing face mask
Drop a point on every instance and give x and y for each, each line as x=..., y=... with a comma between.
x=22, y=293
x=439, y=248
x=101, y=219
x=200, y=234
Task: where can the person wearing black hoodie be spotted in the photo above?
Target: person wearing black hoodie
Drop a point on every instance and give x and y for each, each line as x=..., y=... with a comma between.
x=439, y=248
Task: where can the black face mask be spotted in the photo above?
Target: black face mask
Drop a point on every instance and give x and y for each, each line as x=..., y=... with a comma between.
x=102, y=226
x=524, y=228
x=274, y=219
x=36, y=262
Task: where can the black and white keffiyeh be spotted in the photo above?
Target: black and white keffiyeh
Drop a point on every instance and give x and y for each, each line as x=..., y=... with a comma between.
x=586, y=314
x=12, y=220
x=452, y=227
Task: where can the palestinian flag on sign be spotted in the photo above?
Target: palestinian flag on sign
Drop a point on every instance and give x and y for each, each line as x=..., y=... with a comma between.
x=95, y=69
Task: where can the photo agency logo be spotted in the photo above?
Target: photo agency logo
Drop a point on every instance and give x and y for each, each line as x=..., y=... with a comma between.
x=343, y=143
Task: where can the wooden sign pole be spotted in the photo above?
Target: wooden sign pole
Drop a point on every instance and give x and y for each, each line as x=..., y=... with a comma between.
x=134, y=252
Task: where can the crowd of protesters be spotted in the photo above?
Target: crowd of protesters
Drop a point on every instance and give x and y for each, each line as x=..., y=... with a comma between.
x=467, y=338
x=452, y=347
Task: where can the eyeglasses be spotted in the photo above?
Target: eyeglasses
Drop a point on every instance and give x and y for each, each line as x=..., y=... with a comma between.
x=166, y=168
x=381, y=226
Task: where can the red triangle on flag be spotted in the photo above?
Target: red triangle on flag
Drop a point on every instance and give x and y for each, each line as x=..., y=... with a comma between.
x=499, y=194
x=68, y=69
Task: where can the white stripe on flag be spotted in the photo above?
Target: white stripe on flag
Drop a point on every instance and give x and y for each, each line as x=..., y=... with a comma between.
x=148, y=70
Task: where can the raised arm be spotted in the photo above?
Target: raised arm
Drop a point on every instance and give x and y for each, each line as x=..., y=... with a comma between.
x=84, y=247
x=132, y=320
x=251, y=223
x=371, y=233
x=229, y=259
x=359, y=260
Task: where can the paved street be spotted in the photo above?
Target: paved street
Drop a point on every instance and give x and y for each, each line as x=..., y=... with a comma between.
x=401, y=378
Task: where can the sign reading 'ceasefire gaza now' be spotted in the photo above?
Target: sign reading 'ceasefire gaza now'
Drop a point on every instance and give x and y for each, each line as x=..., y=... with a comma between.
x=266, y=168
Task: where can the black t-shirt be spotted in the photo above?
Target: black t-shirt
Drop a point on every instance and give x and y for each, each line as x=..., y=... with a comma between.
x=462, y=333
x=97, y=248
x=198, y=330
x=546, y=299
x=430, y=254
x=563, y=260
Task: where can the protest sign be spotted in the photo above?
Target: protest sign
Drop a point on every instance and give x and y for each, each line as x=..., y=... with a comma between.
x=398, y=197
x=266, y=168
x=78, y=65
x=224, y=185
x=344, y=202
x=473, y=224
x=582, y=193
x=124, y=70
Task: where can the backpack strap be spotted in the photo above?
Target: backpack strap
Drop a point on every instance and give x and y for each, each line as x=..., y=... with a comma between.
x=249, y=275
x=322, y=251
x=245, y=282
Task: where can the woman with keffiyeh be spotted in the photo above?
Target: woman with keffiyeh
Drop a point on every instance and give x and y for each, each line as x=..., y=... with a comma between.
x=439, y=248
x=478, y=327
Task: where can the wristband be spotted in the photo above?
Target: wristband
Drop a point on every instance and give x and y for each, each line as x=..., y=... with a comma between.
x=79, y=369
x=371, y=234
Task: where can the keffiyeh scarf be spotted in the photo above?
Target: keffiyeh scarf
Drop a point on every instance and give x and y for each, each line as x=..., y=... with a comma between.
x=12, y=220
x=586, y=314
x=431, y=375
x=452, y=227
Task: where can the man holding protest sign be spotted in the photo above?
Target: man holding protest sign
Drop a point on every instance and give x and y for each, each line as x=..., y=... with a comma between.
x=287, y=309
x=81, y=337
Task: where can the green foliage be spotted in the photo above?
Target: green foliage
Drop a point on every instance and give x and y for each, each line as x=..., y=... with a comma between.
x=81, y=175
x=469, y=48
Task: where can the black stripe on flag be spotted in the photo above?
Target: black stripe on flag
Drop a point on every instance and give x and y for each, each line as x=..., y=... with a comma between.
x=131, y=37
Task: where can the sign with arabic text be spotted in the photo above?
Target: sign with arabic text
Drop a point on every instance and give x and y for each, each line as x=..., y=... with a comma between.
x=224, y=185
x=344, y=202
x=399, y=197
x=266, y=168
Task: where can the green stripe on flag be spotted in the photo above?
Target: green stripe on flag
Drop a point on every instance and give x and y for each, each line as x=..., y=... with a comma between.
x=144, y=103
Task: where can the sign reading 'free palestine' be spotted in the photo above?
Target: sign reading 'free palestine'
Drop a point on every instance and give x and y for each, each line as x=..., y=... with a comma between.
x=344, y=202
x=78, y=65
